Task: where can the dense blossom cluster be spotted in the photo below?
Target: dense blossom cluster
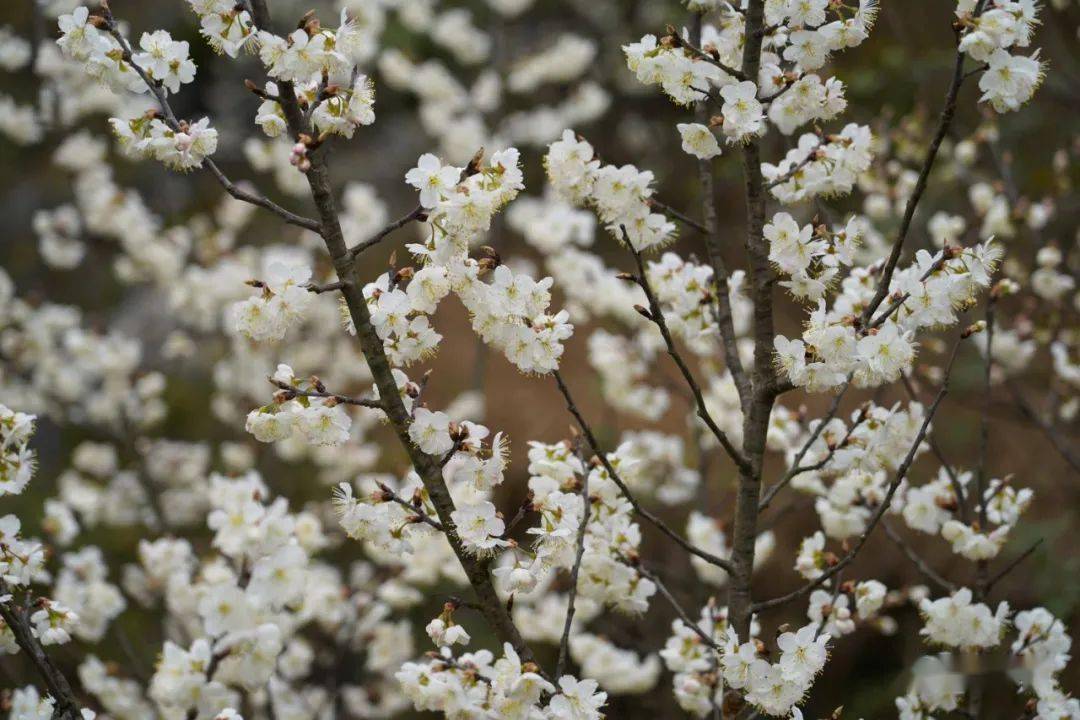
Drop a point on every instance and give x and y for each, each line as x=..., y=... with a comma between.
x=835, y=346
x=312, y=600
x=620, y=195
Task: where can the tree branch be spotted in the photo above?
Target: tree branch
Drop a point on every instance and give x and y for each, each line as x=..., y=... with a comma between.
x=657, y=316
x=796, y=469
x=757, y=408
x=564, y=643
x=427, y=467
x=714, y=249
x=687, y=620
x=901, y=472
x=417, y=213
x=207, y=164
x=391, y=496
x=684, y=219
x=1062, y=445
x=638, y=508
x=944, y=121
x=67, y=705
x=928, y=572
x=1013, y=564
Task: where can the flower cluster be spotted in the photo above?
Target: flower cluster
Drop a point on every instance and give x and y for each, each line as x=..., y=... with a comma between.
x=17, y=460
x=337, y=110
x=475, y=684
x=99, y=53
x=400, y=316
x=161, y=61
x=812, y=257
x=957, y=622
x=281, y=302
x=849, y=468
x=228, y=29
x=183, y=147
x=620, y=195
x=705, y=669
x=510, y=312
x=260, y=607
x=692, y=655
x=821, y=166
x=933, y=508
x=684, y=290
x=321, y=421
x=928, y=293
x=990, y=29
x=611, y=536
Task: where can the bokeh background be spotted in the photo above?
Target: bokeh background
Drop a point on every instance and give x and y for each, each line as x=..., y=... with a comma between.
x=900, y=72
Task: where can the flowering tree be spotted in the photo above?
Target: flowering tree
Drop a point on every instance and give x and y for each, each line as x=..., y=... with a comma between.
x=272, y=599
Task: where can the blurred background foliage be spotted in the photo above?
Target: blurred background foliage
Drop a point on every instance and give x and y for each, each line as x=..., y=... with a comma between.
x=898, y=76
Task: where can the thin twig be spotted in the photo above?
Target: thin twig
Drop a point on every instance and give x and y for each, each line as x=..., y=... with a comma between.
x=1001, y=574
x=801, y=469
x=657, y=316
x=714, y=249
x=790, y=174
x=954, y=479
x=681, y=217
x=687, y=620
x=1062, y=445
x=795, y=468
x=417, y=213
x=586, y=430
x=946, y=255
x=928, y=572
x=289, y=390
x=564, y=644
x=679, y=41
x=391, y=496
x=945, y=120
x=981, y=566
x=207, y=164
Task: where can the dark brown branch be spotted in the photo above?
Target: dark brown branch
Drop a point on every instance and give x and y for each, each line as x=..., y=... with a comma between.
x=678, y=40
x=714, y=249
x=1061, y=444
x=790, y=174
x=684, y=219
x=328, y=287
x=982, y=566
x=790, y=84
x=289, y=392
x=947, y=253
x=476, y=569
x=418, y=213
x=758, y=405
x=954, y=479
x=389, y=495
x=67, y=705
x=687, y=620
x=1013, y=564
